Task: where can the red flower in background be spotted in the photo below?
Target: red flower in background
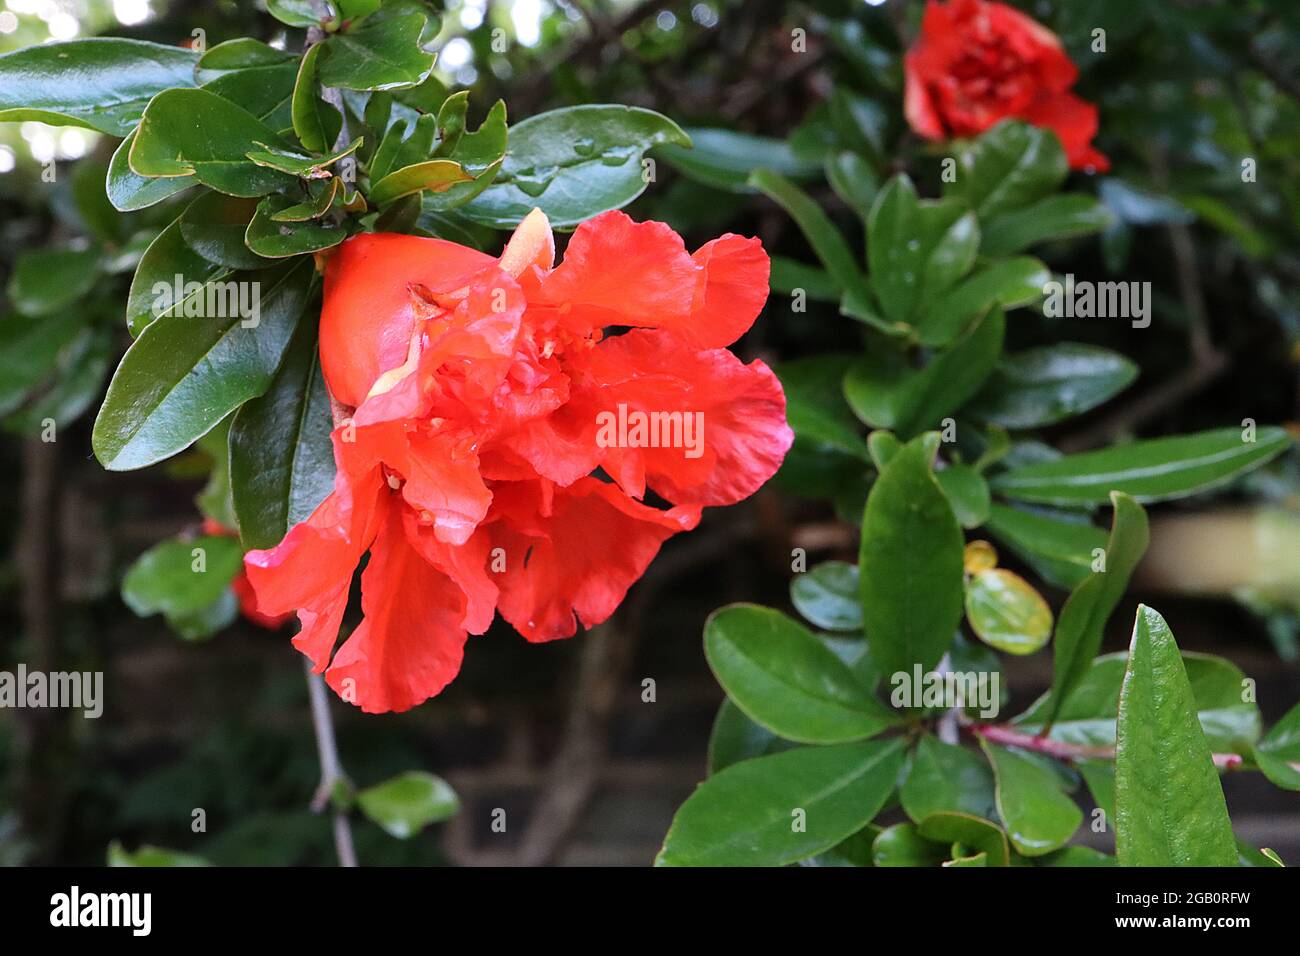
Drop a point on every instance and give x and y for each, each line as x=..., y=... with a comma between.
x=487, y=395
x=977, y=63
x=243, y=590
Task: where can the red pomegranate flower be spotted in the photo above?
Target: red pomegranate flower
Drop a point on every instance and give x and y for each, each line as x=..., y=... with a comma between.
x=977, y=63
x=488, y=398
x=243, y=590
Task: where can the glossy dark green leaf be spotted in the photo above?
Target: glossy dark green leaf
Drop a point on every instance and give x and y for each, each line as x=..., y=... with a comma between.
x=30, y=350
x=78, y=372
x=214, y=225
x=1005, y=612
x=1039, y=817
x=854, y=850
x=1278, y=754
x=779, y=674
x=436, y=175
x=1007, y=282
x=183, y=375
x=481, y=154
x=274, y=239
x=1062, y=547
x=295, y=163
x=884, y=393
x=295, y=13
x=1153, y=470
x=735, y=738
x=129, y=191
x=724, y=158
x=101, y=83
x=825, y=239
x=1083, y=619
x=946, y=778
x=1042, y=386
x=198, y=133
x=910, y=564
x=266, y=91
x=916, y=250
x=815, y=405
x=573, y=163
x=312, y=119
x=409, y=802
x=976, y=833
x=281, y=459
x=321, y=196
x=1054, y=217
x=1008, y=167
x=1076, y=856
x=177, y=577
x=778, y=809
x=167, y=261
x=379, y=55
x=1169, y=806
x=46, y=281
x=967, y=492
x=827, y=595
x=903, y=845
x=854, y=181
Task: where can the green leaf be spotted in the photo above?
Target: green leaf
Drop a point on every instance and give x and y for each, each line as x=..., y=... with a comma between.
x=280, y=239
x=78, y=378
x=1087, y=717
x=827, y=596
x=886, y=394
x=1055, y=217
x=971, y=831
x=437, y=175
x=153, y=289
x=945, y=778
x=903, y=845
x=573, y=163
x=1008, y=167
x=910, y=564
x=1061, y=547
x=321, y=196
x=749, y=814
x=408, y=803
x=724, y=159
x=295, y=163
x=779, y=674
x=382, y=55
x=198, y=133
x=817, y=228
x=295, y=13
x=1039, y=817
x=214, y=225
x=1006, y=612
x=853, y=850
x=102, y=83
x=916, y=250
x=815, y=405
x=281, y=459
x=1152, y=470
x=30, y=350
x=1076, y=856
x=854, y=181
x=481, y=154
x=178, y=577
x=1008, y=283
x=1082, y=623
x=129, y=191
x=46, y=281
x=265, y=90
x=312, y=119
x=1278, y=754
x=183, y=375
x=735, y=738
x=1042, y=386
x=967, y=492
x=146, y=855
x=788, y=275
x=1169, y=806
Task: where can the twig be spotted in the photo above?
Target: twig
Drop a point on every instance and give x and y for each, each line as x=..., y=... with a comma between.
x=331, y=768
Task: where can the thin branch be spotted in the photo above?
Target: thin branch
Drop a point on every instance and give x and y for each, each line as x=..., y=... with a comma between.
x=331, y=768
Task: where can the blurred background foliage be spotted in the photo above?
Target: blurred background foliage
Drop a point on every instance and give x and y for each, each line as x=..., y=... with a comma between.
x=558, y=735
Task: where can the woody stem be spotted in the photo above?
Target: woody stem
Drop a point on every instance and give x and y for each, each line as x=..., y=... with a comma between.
x=331, y=768
x=1002, y=734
